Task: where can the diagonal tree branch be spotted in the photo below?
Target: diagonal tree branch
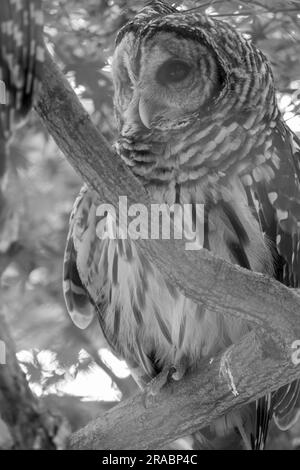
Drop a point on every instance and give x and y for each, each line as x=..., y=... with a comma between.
x=230, y=380
x=262, y=361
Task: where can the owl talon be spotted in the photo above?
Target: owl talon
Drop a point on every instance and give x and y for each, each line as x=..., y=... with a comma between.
x=156, y=384
x=154, y=387
x=163, y=378
x=179, y=370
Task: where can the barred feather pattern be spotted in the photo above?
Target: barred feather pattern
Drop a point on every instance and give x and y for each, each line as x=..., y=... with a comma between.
x=234, y=154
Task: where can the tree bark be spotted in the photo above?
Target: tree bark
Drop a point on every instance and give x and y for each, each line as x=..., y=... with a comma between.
x=232, y=379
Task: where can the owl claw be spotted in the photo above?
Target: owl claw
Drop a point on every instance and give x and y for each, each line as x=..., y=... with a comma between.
x=179, y=370
x=154, y=387
x=163, y=378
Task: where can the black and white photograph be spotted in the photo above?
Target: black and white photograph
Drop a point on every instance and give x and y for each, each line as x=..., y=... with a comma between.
x=149, y=228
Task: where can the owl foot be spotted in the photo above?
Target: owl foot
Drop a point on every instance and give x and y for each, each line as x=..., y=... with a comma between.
x=154, y=387
x=166, y=376
x=179, y=369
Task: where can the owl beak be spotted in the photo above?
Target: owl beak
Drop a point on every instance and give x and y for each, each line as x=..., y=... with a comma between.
x=147, y=111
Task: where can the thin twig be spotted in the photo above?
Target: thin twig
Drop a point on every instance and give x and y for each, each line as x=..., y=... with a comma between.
x=242, y=13
x=251, y=12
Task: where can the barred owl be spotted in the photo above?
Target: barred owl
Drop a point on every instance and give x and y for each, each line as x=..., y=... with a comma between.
x=198, y=122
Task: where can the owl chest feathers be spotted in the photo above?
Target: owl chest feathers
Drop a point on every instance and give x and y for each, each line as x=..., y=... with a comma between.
x=147, y=320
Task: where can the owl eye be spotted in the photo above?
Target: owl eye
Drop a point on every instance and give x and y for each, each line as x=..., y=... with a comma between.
x=172, y=71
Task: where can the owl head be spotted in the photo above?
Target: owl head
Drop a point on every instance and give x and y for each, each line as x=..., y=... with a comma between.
x=177, y=70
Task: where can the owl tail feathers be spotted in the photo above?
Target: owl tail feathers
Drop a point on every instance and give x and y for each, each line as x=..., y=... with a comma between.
x=248, y=427
x=263, y=416
x=286, y=405
x=76, y=297
x=244, y=428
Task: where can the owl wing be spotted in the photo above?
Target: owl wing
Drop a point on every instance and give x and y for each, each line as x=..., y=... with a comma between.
x=85, y=274
x=279, y=203
x=75, y=293
x=277, y=200
x=90, y=270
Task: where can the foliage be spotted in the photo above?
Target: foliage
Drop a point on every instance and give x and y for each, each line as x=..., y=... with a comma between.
x=81, y=35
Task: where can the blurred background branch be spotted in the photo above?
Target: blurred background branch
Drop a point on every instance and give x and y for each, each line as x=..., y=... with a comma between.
x=24, y=424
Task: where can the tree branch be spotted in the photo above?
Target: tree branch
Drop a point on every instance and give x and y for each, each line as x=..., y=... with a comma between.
x=260, y=362
x=29, y=426
x=232, y=379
